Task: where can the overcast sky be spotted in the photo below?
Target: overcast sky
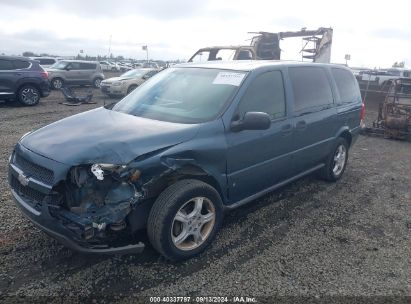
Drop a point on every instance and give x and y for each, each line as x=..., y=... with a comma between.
x=375, y=33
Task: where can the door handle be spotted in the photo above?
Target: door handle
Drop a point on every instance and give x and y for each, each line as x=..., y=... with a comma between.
x=301, y=125
x=286, y=129
x=18, y=74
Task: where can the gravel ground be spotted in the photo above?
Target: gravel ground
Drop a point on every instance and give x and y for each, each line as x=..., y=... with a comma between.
x=311, y=238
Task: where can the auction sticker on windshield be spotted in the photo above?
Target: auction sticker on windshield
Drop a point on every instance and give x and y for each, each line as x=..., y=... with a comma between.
x=230, y=78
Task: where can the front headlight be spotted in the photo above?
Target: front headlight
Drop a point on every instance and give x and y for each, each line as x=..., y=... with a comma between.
x=120, y=171
x=118, y=83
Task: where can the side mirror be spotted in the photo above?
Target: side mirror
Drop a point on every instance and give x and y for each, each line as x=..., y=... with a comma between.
x=252, y=121
x=67, y=68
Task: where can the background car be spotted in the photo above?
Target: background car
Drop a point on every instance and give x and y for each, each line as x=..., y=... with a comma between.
x=46, y=62
x=109, y=66
x=124, y=66
x=75, y=72
x=124, y=84
x=23, y=79
x=150, y=64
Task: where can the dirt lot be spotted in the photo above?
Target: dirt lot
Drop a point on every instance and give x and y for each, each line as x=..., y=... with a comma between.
x=352, y=238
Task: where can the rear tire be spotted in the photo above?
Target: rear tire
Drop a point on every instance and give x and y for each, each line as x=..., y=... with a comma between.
x=336, y=161
x=28, y=95
x=184, y=219
x=57, y=83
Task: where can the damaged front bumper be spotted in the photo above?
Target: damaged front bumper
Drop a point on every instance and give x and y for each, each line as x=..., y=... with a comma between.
x=31, y=187
x=43, y=220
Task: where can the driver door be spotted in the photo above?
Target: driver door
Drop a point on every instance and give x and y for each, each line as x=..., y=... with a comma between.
x=259, y=159
x=73, y=73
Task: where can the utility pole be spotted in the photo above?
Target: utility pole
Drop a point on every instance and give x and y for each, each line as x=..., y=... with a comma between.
x=347, y=57
x=145, y=48
x=109, y=47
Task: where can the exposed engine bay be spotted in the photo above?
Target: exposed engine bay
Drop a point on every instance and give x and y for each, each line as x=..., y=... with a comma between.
x=98, y=198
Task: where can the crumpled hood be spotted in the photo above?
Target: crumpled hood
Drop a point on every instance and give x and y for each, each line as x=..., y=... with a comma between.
x=105, y=136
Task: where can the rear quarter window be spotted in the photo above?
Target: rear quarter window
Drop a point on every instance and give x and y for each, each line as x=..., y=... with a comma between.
x=346, y=85
x=87, y=66
x=311, y=87
x=21, y=64
x=46, y=61
x=6, y=65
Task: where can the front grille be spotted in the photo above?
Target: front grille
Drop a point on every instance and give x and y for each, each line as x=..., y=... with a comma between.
x=35, y=197
x=33, y=170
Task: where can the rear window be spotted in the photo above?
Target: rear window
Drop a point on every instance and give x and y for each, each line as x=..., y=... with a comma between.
x=6, y=65
x=87, y=66
x=46, y=61
x=21, y=64
x=311, y=87
x=346, y=85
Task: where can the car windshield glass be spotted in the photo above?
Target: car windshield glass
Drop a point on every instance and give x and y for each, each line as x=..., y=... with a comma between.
x=134, y=73
x=59, y=65
x=182, y=95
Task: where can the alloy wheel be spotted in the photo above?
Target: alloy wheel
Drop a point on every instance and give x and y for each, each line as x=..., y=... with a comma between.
x=29, y=96
x=340, y=157
x=57, y=83
x=193, y=223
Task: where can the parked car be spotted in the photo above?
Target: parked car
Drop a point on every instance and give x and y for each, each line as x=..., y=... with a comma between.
x=192, y=142
x=124, y=84
x=75, y=72
x=22, y=79
x=46, y=62
x=125, y=67
x=109, y=66
x=150, y=65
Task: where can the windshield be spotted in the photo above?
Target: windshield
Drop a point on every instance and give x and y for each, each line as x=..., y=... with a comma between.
x=59, y=65
x=134, y=73
x=182, y=95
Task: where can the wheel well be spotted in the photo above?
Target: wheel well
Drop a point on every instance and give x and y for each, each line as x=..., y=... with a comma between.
x=27, y=83
x=138, y=219
x=54, y=78
x=186, y=172
x=132, y=86
x=347, y=136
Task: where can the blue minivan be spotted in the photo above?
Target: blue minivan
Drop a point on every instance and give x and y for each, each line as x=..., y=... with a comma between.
x=189, y=144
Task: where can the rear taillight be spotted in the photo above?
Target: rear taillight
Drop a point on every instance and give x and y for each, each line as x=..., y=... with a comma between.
x=45, y=75
x=362, y=116
x=362, y=113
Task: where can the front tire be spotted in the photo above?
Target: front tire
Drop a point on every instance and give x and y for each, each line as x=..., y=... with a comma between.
x=97, y=83
x=336, y=162
x=28, y=95
x=184, y=219
x=131, y=89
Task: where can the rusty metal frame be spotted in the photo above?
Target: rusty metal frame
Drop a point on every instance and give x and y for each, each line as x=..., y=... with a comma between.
x=394, y=114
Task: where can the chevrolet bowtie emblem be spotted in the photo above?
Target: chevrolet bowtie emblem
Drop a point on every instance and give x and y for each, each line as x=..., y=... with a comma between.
x=23, y=179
